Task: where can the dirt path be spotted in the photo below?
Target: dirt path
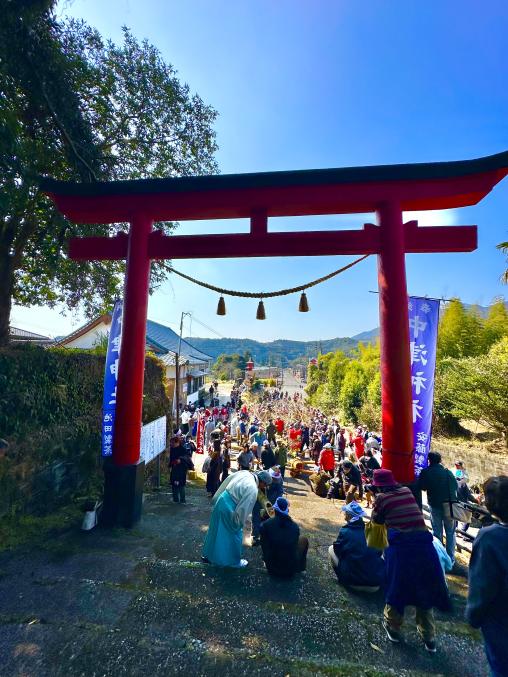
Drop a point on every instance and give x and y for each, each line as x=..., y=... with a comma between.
x=140, y=603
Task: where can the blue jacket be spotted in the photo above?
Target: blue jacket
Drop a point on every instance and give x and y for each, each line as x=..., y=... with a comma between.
x=488, y=577
x=358, y=564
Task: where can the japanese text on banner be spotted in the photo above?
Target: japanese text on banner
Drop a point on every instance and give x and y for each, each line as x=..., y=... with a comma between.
x=423, y=327
x=110, y=380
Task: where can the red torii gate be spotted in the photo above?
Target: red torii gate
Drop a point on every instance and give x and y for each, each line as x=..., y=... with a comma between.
x=387, y=190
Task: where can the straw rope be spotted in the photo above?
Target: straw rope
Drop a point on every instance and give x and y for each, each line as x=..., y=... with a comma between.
x=270, y=294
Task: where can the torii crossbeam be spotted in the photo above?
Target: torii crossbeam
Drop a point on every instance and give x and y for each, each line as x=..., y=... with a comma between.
x=386, y=190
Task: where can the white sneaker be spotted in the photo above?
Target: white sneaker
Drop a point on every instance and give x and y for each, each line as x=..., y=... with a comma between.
x=243, y=563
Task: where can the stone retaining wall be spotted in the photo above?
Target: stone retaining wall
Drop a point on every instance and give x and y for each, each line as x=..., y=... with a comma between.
x=480, y=464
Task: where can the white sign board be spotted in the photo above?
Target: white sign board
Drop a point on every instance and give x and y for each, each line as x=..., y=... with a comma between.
x=153, y=439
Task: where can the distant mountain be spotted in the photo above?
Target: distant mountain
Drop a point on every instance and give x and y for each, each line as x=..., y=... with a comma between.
x=277, y=353
x=283, y=352
x=367, y=336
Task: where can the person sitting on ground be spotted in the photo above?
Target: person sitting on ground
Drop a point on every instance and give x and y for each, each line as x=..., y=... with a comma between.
x=356, y=565
x=267, y=456
x=487, y=601
x=413, y=572
x=353, y=486
x=326, y=461
x=284, y=550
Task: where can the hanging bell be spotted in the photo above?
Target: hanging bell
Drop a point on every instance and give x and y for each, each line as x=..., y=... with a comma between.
x=221, y=306
x=303, y=306
x=260, y=315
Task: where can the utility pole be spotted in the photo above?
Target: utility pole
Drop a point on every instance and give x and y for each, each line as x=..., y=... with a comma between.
x=177, y=370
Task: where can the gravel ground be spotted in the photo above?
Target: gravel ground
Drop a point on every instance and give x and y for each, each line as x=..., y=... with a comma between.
x=140, y=602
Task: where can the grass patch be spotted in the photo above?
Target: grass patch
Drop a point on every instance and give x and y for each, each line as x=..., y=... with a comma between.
x=29, y=530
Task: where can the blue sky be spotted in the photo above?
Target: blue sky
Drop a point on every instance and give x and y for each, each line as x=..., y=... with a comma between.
x=329, y=83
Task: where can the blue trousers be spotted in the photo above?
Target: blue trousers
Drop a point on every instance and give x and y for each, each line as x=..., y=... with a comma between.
x=439, y=521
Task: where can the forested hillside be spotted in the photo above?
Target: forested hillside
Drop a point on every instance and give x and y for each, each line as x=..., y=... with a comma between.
x=277, y=353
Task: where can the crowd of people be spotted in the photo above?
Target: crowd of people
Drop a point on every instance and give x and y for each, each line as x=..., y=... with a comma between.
x=249, y=448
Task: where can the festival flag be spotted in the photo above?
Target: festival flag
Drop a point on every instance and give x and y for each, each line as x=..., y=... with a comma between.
x=110, y=380
x=423, y=327
x=200, y=435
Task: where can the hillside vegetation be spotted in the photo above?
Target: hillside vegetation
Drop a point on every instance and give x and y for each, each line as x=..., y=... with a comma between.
x=471, y=375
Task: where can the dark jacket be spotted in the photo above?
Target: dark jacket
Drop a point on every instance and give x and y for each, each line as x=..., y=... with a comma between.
x=488, y=577
x=279, y=540
x=354, y=477
x=439, y=483
x=213, y=474
x=358, y=564
x=179, y=462
x=267, y=458
x=271, y=430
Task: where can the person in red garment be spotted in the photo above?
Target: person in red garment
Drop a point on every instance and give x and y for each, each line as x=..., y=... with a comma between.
x=279, y=425
x=326, y=460
x=294, y=437
x=358, y=443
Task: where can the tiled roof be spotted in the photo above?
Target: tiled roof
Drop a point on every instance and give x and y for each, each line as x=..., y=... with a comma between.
x=17, y=334
x=166, y=339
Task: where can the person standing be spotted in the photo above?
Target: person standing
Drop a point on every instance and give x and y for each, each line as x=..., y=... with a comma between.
x=341, y=443
x=214, y=470
x=326, y=460
x=279, y=425
x=226, y=460
x=232, y=507
x=358, y=443
x=271, y=431
x=267, y=456
x=179, y=462
x=441, y=488
x=185, y=418
x=245, y=458
x=413, y=572
x=487, y=603
x=281, y=457
x=209, y=428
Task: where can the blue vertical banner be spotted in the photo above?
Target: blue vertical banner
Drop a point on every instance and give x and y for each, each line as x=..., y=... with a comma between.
x=110, y=380
x=423, y=327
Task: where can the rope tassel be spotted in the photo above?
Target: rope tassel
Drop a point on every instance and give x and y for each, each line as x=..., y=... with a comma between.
x=221, y=306
x=260, y=315
x=303, y=306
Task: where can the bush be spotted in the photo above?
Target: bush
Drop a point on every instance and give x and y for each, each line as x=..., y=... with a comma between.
x=50, y=413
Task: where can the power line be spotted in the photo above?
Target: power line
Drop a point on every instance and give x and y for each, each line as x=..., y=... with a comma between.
x=195, y=319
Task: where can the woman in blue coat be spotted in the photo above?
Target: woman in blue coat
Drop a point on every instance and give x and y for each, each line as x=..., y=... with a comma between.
x=356, y=565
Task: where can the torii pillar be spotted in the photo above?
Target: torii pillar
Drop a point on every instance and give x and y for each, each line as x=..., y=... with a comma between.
x=387, y=190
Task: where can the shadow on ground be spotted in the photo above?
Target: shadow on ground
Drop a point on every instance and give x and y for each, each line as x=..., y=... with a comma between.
x=140, y=602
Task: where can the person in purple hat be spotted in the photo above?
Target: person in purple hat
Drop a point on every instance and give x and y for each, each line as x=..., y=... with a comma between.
x=414, y=576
